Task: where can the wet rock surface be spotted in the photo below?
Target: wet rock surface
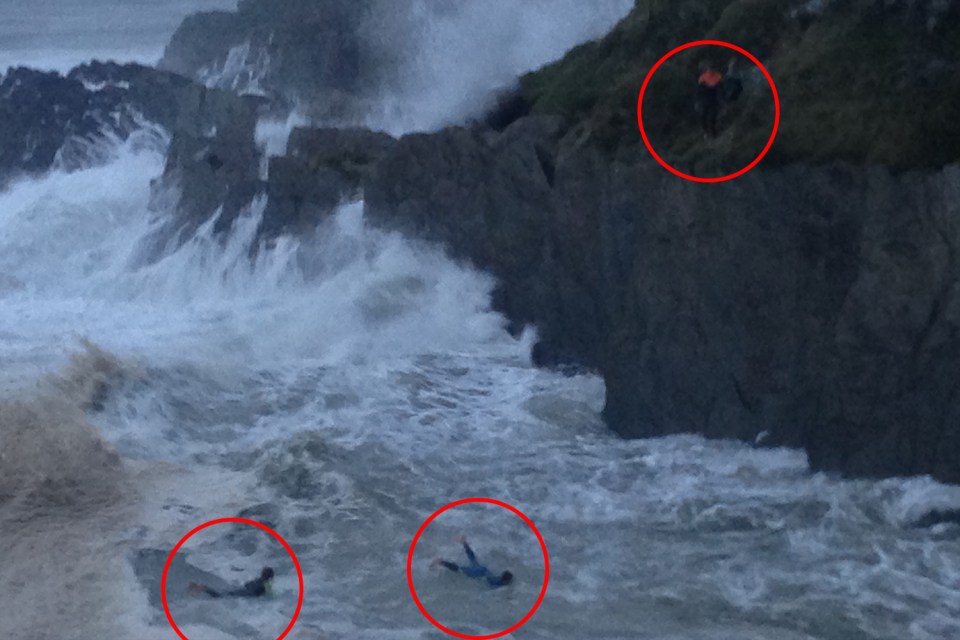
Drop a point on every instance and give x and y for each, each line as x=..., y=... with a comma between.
x=49, y=118
x=322, y=168
x=817, y=304
x=213, y=163
x=299, y=50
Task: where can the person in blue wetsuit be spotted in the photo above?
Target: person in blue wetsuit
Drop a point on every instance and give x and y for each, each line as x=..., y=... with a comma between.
x=253, y=589
x=475, y=569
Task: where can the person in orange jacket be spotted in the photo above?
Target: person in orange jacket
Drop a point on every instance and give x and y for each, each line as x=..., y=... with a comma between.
x=709, y=88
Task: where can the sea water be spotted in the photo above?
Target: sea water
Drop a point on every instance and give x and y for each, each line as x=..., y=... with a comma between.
x=342, y=388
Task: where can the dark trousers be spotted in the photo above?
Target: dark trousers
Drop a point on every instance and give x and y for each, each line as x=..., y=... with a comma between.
x=709, y=113
x=709, y=109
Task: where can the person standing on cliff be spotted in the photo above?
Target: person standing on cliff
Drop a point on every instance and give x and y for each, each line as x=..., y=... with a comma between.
x=709, y=87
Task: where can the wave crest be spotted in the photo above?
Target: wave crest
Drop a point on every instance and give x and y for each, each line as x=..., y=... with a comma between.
x=50, y=454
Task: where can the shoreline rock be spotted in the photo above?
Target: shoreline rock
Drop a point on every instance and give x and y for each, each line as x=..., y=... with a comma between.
x=322, y=168
x=818, y=304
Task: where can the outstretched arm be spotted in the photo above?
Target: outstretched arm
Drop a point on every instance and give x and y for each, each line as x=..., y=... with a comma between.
x=437, y=562
x=466, y=547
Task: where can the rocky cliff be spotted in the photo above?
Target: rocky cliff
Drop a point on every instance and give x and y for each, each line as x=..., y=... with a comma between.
x=806, y=306
x=813, y=302
x=49, y=118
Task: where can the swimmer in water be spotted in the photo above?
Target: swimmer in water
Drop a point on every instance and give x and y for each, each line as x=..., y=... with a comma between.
x=253, y=589
x=475, y=569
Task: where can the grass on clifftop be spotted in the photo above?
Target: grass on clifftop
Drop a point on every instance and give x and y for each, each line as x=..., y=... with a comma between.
x=866, y=81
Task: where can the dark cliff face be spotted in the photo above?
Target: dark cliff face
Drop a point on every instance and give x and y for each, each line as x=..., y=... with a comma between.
x=819, y=305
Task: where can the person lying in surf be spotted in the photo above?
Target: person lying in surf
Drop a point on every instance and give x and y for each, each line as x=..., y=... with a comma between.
x=475, y=569
x=253, y=589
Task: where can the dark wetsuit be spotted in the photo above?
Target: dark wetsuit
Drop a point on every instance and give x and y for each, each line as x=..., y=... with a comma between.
x=708, y=92
x=475, y=569
x=252, y=589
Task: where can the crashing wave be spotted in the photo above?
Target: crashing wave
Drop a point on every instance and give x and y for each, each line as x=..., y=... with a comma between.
x=50, y=455
x=242, y=71
x=126, y=125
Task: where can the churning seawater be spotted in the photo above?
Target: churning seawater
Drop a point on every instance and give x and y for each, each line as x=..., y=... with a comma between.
x=343, y=387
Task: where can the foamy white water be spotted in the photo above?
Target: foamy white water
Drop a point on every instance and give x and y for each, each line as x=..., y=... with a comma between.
x=454, y=55
x=345, y=387
x=342, y=388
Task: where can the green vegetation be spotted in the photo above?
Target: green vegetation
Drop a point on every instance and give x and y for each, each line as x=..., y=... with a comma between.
x=864, y=81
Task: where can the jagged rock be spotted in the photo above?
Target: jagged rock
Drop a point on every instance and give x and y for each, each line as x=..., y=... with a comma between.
x=509, y=106
x=300, y=196
x=323, y=167
x=301, y=49
x=213, y=161
x=154, y=94
x=486, y=198
x=49, y=118
x=39, y=111
x=821, y=305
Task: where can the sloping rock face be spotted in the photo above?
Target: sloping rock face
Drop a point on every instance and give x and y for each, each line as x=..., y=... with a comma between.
x=818, y=305
x=863, y=81
x=49, y=118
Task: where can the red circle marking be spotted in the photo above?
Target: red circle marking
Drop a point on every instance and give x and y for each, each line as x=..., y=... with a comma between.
x=252, y=523
x=701, y=43
x=546, y=568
